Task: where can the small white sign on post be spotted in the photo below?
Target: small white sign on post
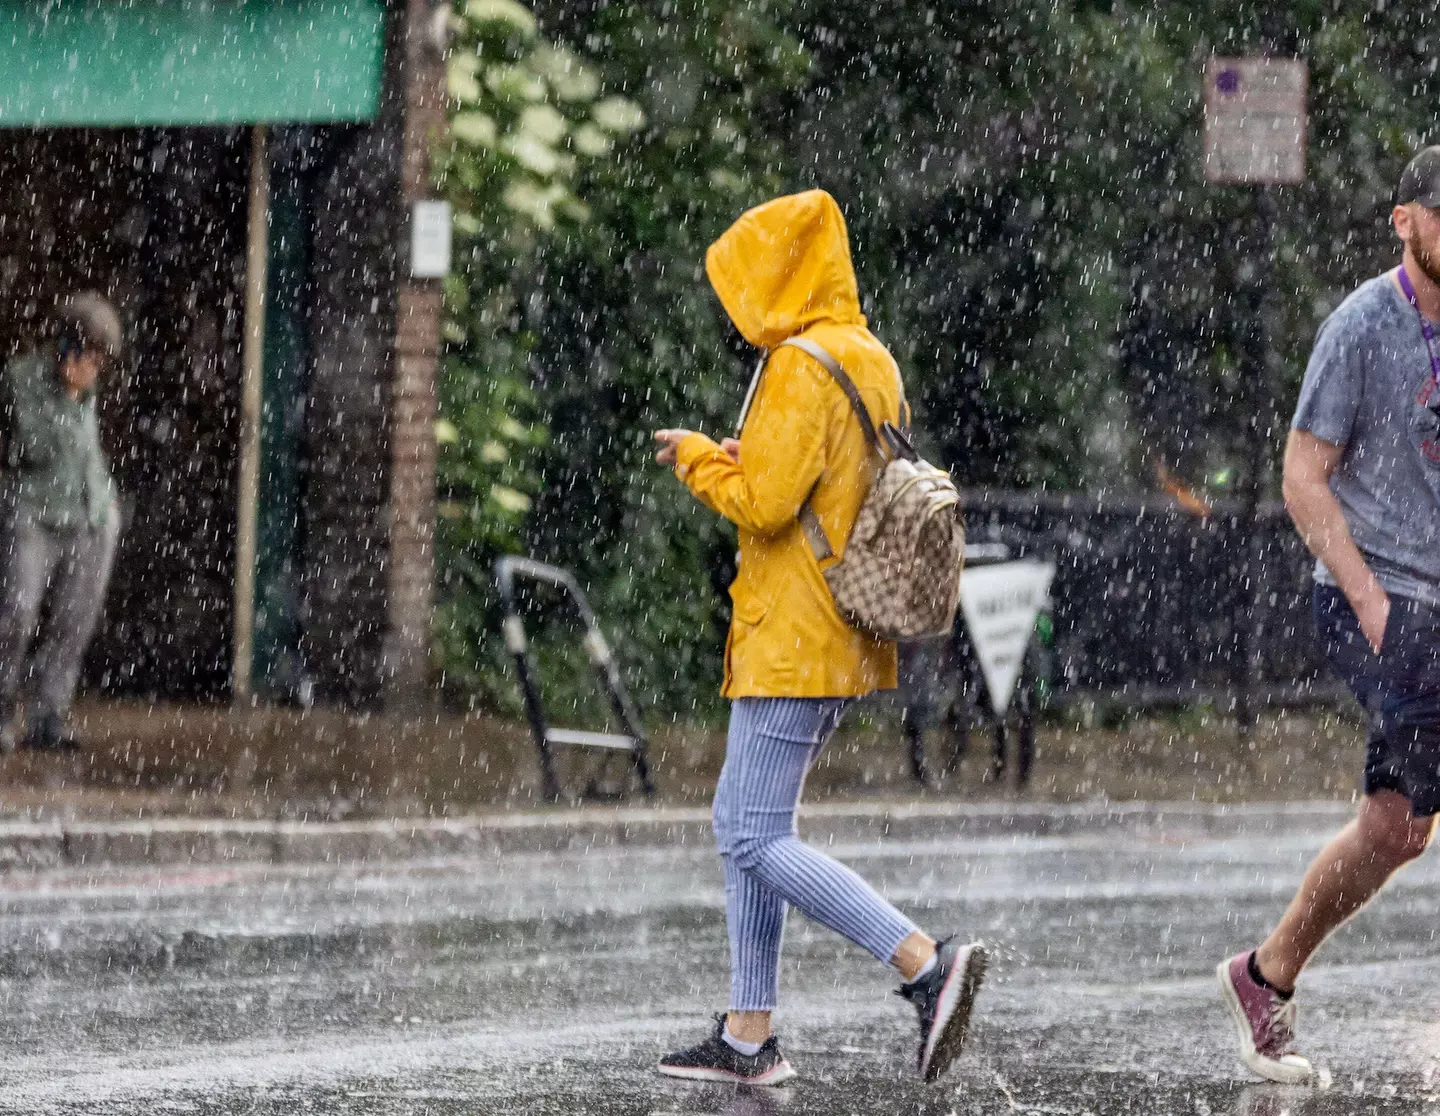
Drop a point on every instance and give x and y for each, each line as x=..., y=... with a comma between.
x=430, y=239
x=1000, y=604
x=1255, y=120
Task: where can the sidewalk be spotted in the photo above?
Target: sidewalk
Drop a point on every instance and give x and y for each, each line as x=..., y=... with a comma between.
x=38, y=846
x=169, y=785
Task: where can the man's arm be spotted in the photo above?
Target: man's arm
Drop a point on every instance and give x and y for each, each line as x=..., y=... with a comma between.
x=1309, y=461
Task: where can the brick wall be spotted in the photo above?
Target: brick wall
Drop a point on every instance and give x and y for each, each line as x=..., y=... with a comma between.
x=412, y=495
x=411, y=509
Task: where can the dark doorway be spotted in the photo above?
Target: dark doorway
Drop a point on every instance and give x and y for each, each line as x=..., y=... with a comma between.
x=155, y=218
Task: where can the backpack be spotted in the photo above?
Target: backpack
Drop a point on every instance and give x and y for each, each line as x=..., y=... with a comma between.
x=900, y=576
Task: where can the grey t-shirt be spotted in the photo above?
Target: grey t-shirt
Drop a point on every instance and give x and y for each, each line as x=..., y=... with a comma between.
x=1366, y=388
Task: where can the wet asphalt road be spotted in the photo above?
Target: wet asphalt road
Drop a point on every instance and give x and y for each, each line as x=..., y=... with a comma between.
x=550, y=983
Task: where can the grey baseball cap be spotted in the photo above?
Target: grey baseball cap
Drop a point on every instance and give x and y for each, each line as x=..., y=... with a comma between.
x=93, y=320
x=1420, y=180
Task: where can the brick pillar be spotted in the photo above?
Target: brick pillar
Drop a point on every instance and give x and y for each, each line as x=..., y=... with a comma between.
x=411, y=510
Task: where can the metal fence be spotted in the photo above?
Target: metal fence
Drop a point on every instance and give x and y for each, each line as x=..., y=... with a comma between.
x=1153, y=605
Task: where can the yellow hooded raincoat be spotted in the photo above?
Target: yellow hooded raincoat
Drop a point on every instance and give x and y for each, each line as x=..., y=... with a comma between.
x=783, y=270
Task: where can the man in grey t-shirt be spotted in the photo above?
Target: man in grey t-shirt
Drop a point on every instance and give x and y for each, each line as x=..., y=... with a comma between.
x=1362, y=483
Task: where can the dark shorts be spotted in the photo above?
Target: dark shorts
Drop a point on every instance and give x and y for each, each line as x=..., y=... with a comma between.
x=1399, y=689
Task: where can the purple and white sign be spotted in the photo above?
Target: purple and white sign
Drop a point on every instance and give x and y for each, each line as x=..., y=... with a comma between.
x=1255, y=120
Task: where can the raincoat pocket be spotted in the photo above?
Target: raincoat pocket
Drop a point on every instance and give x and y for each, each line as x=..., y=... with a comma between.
x=745, y=617
x=749, y=611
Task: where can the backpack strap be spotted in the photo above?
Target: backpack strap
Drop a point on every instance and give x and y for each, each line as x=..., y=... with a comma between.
x=847, y=385
x=814, y=533
x=809, y=521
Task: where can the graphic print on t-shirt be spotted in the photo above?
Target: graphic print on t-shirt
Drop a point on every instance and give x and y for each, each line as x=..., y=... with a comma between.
x=1425, y=424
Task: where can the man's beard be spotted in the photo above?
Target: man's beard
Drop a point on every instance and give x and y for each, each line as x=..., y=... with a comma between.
x=1427, y=259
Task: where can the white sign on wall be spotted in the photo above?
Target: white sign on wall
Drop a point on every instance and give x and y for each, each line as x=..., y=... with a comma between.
x=1000, y=604
x=430, y=239
x=1255, y=120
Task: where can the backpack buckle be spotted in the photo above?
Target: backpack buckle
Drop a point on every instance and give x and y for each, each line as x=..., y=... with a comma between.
x=897, y=443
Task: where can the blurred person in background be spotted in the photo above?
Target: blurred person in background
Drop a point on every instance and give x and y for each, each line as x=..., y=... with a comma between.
x=64, y=519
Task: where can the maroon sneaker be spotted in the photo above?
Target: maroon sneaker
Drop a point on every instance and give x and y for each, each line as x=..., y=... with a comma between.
x=1265, y=1023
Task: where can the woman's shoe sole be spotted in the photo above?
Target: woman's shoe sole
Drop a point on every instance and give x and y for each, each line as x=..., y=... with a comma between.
x=776, y=1075
x=952, y=1014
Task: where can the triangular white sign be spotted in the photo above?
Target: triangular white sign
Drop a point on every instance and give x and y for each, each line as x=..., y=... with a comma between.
x=1000, y=603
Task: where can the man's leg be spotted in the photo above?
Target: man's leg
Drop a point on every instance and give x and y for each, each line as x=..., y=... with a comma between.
x=81, y=579
x=28, y=563
x=1400, y=689
x=1400, y=769
x=1348, y=872
x=1401, y=686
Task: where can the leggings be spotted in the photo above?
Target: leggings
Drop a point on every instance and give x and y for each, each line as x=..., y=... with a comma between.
x=771, y=746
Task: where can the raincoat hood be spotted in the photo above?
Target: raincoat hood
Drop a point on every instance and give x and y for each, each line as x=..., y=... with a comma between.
x=785, y=266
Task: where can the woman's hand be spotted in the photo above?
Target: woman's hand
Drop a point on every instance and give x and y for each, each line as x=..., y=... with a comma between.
x=732, y=447
x=669, y=441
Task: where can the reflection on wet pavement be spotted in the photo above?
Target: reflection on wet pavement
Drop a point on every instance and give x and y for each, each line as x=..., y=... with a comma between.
x=549, y=984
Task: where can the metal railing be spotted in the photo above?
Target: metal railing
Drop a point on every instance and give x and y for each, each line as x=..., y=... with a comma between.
x=1153, y=605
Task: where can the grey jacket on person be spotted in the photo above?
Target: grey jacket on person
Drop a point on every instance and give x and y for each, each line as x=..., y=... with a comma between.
x=56, y=468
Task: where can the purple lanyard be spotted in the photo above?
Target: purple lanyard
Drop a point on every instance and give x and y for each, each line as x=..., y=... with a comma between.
x=1427, y=329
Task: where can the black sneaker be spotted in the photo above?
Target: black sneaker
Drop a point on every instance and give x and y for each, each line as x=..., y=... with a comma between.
x=944, y=998
x=716, y=1060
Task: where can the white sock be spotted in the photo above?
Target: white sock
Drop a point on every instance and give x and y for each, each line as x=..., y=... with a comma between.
x=749, y=1049
x=927, y=968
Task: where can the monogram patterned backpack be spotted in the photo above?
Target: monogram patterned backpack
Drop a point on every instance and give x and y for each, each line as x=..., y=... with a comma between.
x=900, y=575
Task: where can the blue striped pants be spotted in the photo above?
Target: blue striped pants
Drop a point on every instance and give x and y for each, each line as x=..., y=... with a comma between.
x=771, y=746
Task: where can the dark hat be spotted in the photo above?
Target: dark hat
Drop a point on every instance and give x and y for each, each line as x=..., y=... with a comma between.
x=1420, y=180
x=88, y=317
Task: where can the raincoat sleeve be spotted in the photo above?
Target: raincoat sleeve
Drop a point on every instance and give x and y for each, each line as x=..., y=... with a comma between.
x=782, y=450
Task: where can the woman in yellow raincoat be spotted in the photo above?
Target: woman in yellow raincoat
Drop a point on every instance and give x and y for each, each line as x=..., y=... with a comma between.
x=792, y=664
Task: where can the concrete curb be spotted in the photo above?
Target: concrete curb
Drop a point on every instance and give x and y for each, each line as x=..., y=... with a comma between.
x=32, y=846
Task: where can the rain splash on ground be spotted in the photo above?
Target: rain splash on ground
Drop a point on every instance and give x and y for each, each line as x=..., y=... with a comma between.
x=550, y=983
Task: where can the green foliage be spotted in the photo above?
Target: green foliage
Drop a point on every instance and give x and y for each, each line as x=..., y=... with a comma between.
x=588, y=316
x=1023, y=186
x=1068, y=298
x=527, y=117
x=631, y=338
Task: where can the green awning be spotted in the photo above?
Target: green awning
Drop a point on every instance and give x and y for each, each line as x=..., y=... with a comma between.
x=67, y=63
